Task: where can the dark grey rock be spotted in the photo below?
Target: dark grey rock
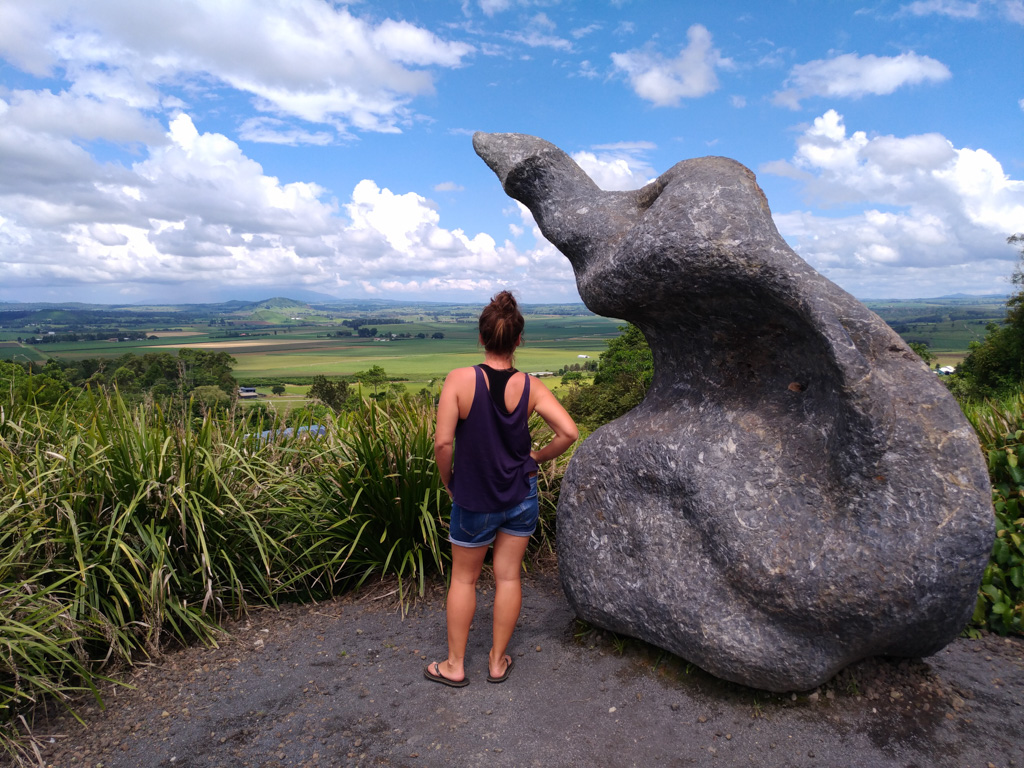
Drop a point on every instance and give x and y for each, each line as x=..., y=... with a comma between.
x=797, y=491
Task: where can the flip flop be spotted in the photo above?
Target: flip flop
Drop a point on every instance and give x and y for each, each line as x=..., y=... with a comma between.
x=437, y=677
x=502, y=677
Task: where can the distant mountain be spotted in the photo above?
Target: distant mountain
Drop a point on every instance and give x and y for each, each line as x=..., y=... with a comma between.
x=278, y=302
x=976, y=296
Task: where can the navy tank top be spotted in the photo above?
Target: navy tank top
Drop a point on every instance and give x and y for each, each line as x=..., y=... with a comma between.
x=492, y=462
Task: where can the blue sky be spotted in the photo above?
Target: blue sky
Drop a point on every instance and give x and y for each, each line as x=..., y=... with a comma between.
x=176, y=151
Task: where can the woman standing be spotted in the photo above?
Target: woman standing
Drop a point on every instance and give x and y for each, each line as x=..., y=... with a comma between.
x=483, y=451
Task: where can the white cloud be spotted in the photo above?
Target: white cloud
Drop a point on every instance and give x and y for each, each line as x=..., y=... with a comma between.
x=853, y=76
x=1013, y=10
x=70, y=115
x=491, y=7
x=581, y=32
x=664, y=82
x=618, y=166
x=448, y=186
x=302, y=58
x=539, y=33
x=929, y=208
x=270, y=130
x=956, y=9
x=197, y=213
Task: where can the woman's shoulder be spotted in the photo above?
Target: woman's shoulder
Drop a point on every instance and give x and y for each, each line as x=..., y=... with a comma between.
x=536, y=381
x=461, y=375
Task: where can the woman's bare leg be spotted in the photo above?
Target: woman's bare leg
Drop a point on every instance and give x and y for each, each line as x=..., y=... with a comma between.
x=461, y=605
x=509, y=551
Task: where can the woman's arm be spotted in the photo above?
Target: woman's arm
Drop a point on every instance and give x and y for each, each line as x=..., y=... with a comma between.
x=556, y=417
x=447, y=419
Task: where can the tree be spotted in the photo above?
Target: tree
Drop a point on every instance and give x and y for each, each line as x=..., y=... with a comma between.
x=333, y=394
x=996, y=365
x=210, y=397
x=572, y=376
x=624, y=373
x=922, y=351
x=376, y=377
x=278, y=389
x=437, y=335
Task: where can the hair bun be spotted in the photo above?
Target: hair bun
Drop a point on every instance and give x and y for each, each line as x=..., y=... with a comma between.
x=501, y=323
x=505, y=301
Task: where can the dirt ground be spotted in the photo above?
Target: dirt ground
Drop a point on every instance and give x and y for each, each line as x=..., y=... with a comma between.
x=341, y=683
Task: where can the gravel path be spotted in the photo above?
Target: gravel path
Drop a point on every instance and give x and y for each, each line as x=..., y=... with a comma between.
x=341, y=683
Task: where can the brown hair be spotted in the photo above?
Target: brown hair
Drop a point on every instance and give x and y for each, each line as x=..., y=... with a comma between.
x=501, y=324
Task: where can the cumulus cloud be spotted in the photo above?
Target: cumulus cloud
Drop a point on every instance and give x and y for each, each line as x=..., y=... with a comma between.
x=930, y=209
x=665, y=82
x=619, y=166
x=197, y=211
x=853, y=76
x=304, y=58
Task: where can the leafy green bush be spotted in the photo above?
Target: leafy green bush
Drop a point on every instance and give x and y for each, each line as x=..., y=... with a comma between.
x=1000, y=427
x=624, y=374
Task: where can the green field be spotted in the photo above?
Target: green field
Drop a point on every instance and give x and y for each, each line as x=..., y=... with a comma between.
x=550, y=343
x=284, y=339
x=947, y=326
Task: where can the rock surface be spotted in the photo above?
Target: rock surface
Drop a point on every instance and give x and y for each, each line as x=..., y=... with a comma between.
x=797, y=491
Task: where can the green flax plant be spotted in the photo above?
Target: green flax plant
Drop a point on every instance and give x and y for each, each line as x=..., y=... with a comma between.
x=125, y=528
x=120, y=530
x=375, y=501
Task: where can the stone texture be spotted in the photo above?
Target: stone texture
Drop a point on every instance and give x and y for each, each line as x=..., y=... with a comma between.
x=797, y=491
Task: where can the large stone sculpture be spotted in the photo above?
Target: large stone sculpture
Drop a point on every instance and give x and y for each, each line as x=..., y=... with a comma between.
x=797, y=491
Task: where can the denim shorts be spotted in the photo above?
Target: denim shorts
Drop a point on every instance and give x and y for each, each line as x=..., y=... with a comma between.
x=480, y=529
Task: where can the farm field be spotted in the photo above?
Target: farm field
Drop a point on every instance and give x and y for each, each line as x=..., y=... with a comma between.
x=288, y=340
x=550, y=343
x=947, y=326
x=548, y=346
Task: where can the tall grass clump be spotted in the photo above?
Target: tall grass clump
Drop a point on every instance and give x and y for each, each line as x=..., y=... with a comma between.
x=375, y=504
x=124, y=529
x=1000, y=428
x=120, y=531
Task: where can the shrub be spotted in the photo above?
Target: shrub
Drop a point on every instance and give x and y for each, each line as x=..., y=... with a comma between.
x=1000, y=427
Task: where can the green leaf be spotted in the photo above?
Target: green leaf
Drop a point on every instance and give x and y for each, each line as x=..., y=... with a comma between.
x=992, y=591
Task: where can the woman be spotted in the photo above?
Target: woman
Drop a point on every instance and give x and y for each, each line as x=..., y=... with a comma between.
x=483, y=451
